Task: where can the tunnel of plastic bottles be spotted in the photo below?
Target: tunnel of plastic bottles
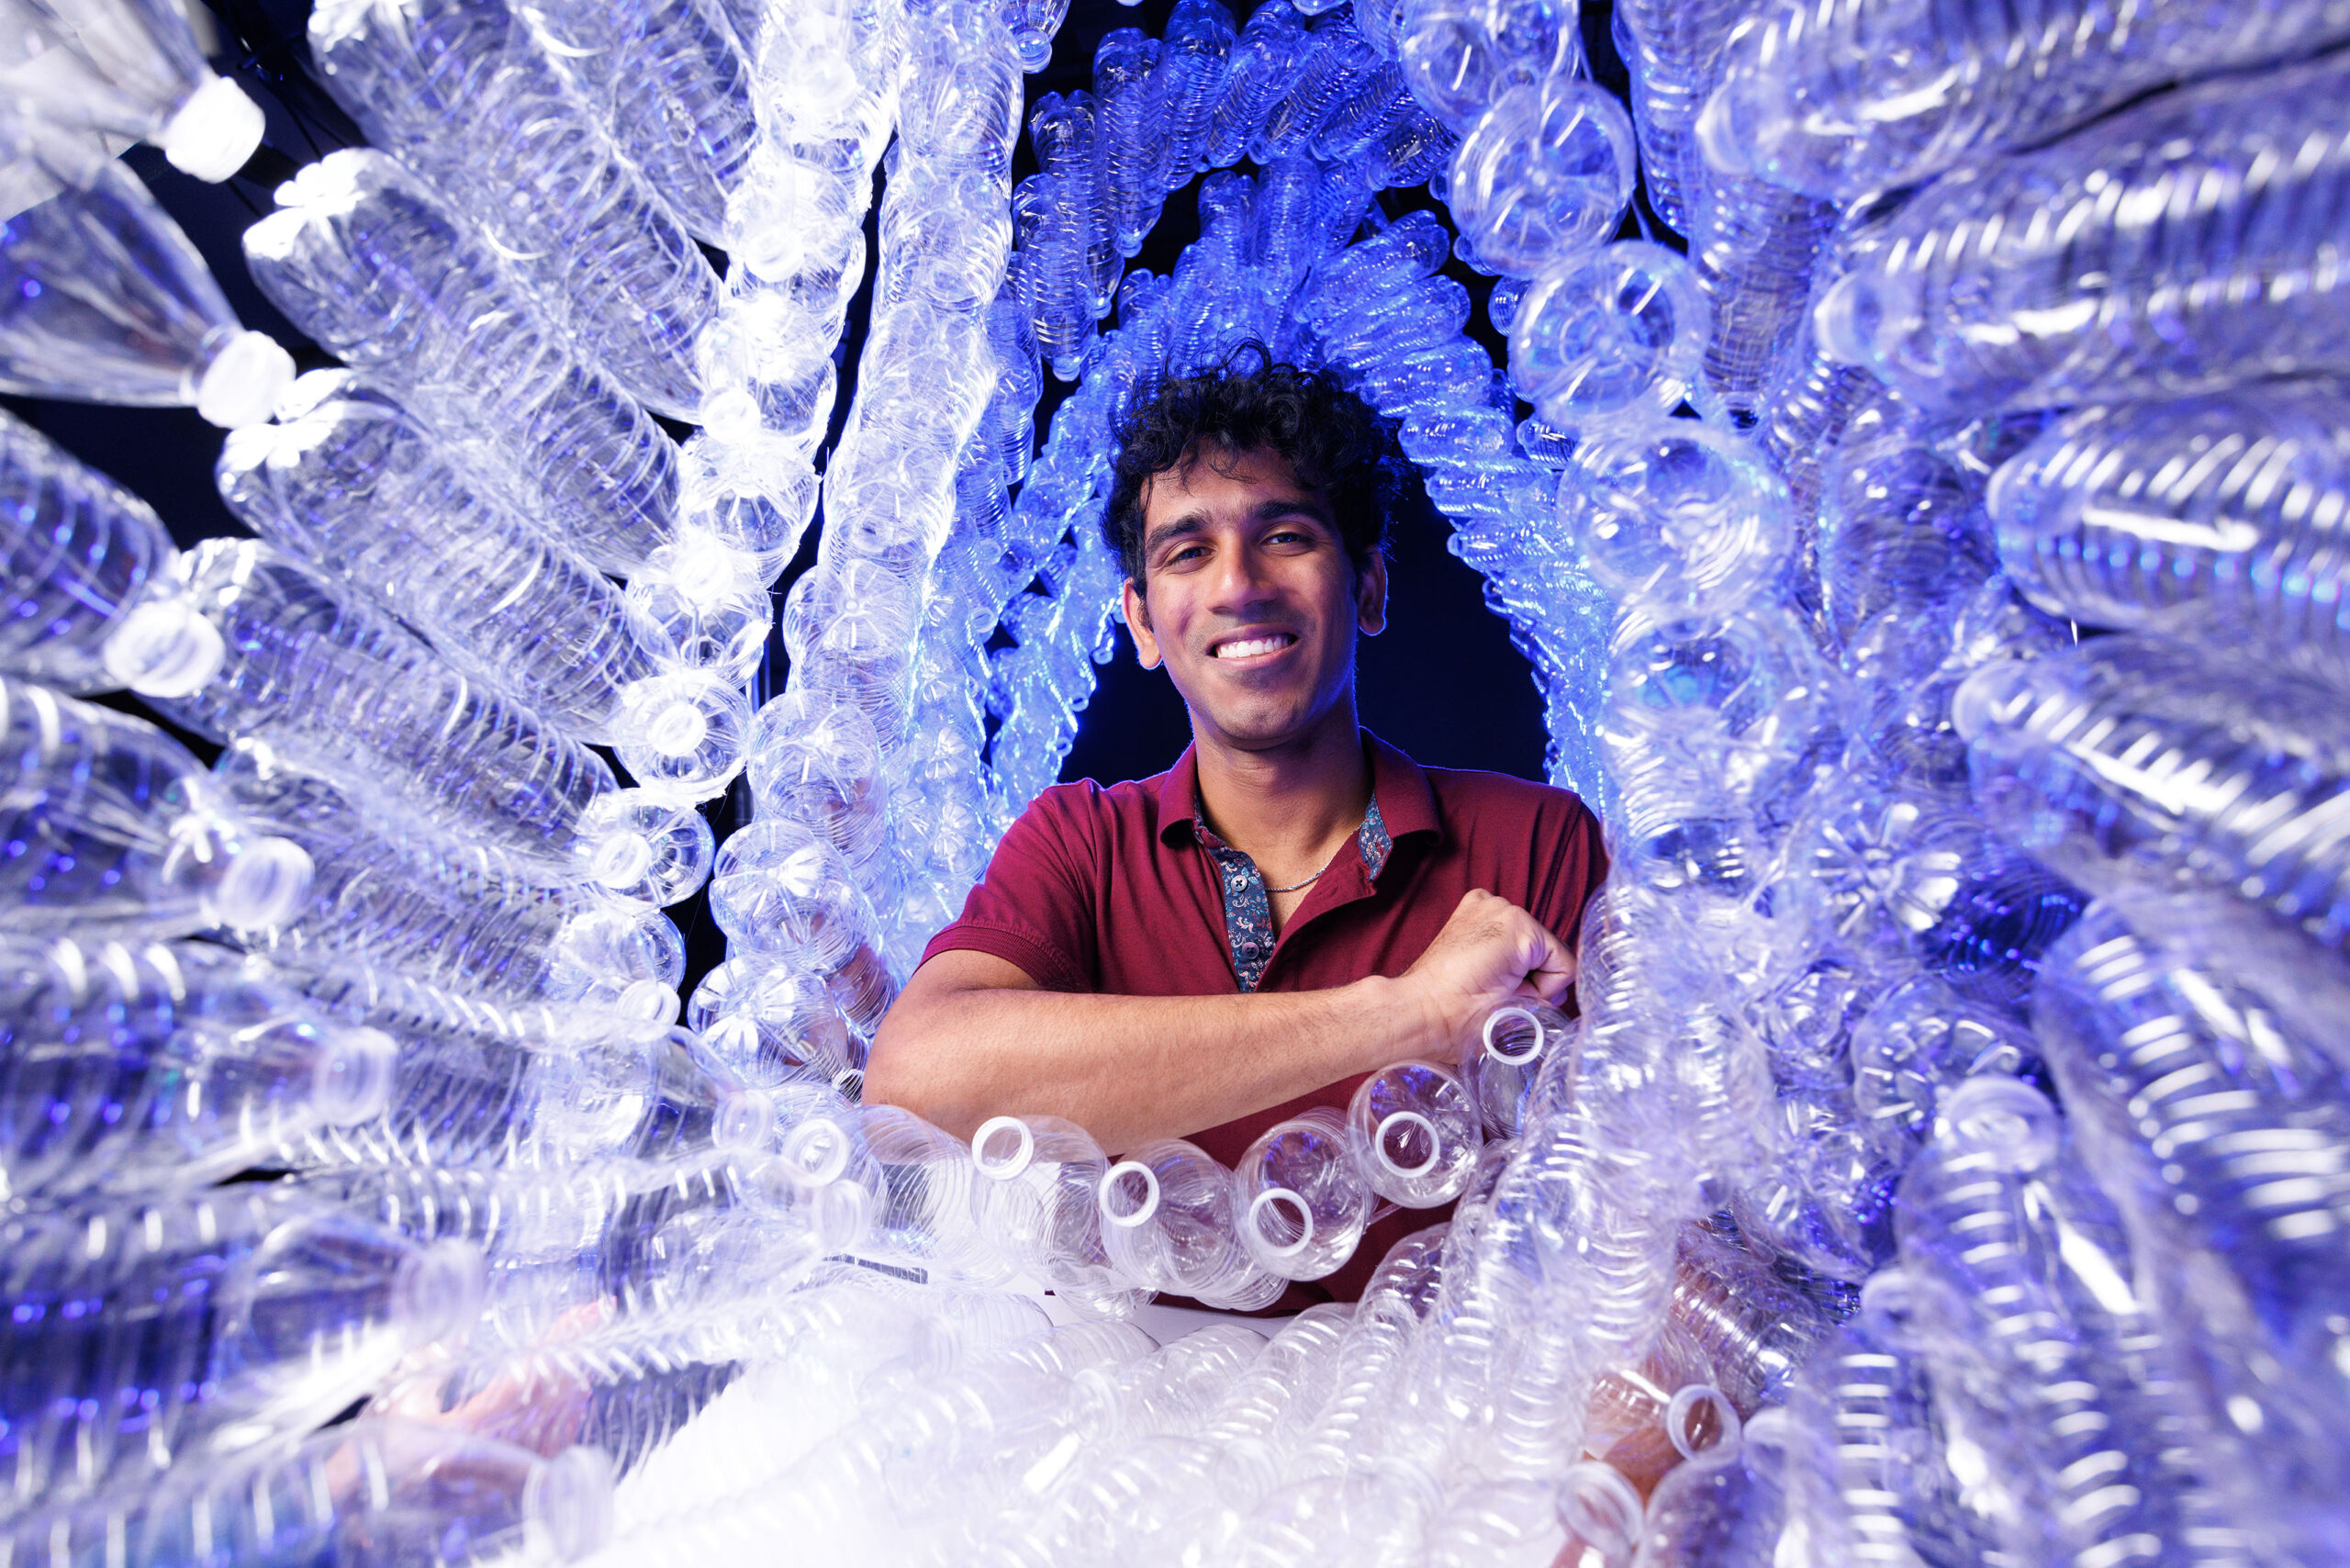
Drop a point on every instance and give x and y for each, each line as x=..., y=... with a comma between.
x=1905, y=440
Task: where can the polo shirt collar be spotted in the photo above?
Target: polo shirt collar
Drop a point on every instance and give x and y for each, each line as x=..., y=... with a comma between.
x=1406, y=800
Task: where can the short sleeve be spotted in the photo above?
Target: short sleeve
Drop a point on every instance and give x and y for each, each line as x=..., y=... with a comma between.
x=1570, y=862
x=1034, y=907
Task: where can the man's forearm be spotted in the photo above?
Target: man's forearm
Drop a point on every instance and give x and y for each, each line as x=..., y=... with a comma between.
x=1132, y=1068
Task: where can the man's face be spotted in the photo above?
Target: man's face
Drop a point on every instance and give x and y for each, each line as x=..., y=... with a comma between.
x=1248, y=596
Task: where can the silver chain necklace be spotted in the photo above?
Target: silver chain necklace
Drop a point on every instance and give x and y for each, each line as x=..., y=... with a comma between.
x=1295, y=886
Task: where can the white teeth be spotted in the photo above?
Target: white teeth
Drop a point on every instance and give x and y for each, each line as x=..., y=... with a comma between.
x=1253, y=646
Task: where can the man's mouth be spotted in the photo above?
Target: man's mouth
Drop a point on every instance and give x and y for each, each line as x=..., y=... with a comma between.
x=1253, y=646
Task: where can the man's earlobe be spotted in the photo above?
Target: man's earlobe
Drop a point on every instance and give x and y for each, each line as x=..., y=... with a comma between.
x=1371, y=595
x=1138, y=623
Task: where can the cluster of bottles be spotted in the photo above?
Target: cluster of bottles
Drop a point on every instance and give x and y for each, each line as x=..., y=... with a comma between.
x=1947, y=1162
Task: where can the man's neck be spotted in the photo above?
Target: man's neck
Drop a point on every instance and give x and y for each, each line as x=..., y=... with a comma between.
x=1287, y=806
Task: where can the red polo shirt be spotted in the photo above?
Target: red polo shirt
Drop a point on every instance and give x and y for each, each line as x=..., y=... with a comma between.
x=1114, y=892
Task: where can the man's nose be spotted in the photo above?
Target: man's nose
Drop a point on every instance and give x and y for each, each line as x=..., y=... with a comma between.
x=1243, y=581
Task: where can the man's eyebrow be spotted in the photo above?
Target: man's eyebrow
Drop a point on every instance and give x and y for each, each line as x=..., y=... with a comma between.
x=1190, y=523
x=1291, y=505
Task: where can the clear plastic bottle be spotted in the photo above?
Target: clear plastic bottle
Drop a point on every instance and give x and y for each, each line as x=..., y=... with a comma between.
x=1672, y=47
x=130, y=68
x=1168, y=1224
x=392, y=891
x=1262, y=60
x=478, y=1085
x=460, y=92
x=351, y=480
x=2231, y=503
x=106, y=301
x=928, y=1217
x=1517, y=1043
x=1417, y=1131
x=2032, y=1319
x=373, y=1493
x=371, y=262
x=1675, y=512
x=1338, y=63
x=1919, y=1041
x=2192, y=1097
x=152, y=1066
x=1899, y=526
x=1302, y=1200
x=1127, y=91
x=1850, y=98
x=115, y=829
x=345, y=689
x=1194, y=59
x=145, y=1331
x=1462, y=56
x=674, y=90
x=1544, y=176
x=778, y=887
x=1036, y=1205
x=2019, y=283
x=772, y=1021
x=2133, y=765
x=1610, y=338
x=84, y=559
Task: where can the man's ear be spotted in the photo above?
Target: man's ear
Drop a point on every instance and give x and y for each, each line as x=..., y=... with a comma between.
x=1371, y=595
x=1138, y=623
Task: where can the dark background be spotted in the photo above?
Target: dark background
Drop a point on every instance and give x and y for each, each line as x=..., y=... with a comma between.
x=1443, y=682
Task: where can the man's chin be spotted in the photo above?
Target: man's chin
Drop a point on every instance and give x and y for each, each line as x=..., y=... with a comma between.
x=1262, y=731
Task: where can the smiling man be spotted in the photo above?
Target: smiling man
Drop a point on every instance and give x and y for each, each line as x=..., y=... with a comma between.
x=1294, y=904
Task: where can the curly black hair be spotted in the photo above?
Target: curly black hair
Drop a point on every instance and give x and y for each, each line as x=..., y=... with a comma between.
x=1331, y=439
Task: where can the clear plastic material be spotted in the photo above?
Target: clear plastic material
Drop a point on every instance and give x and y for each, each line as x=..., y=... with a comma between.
x=209, y=1322
x=369, y=260
x=1544, y=176
x=129, y=68
x=1610, y=338
x=2017, y=282
x=2229, y=507
x=343, y=687
x=114, y=827
x=2192, y=1095
x=674, y=90
x=462, y=92
x=1674, y=513
x=478, y=1085
x=392, y=890
x=1416, y=1130
x=374, y=1494
x=1040, y=1177
x=144, y=1067
x=1301, y=1196
x=85, y=560
x=1850, y=97
x=1168, y=1225
x=2082, y=760
x=106, y=301
x=353, y=481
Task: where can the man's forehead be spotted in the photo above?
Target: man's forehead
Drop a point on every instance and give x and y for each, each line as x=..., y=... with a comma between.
x=1206, y=466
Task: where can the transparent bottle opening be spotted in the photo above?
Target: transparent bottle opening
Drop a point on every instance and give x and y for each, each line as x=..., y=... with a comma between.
x=213, y=133
x=1129, y=1195
x=266, y=885
x=567, y=1506
x=164, y=649
x=355, y=1076
x=1003, y=1148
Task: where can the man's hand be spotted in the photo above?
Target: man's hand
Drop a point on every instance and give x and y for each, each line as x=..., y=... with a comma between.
x=1489, y=951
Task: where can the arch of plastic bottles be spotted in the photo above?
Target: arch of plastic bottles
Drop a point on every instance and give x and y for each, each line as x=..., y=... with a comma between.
x=1936, y=576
